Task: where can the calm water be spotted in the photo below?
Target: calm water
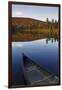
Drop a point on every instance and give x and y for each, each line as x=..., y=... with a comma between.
x=43, y=51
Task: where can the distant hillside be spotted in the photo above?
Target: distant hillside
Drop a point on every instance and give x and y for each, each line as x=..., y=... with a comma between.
x=26, y=29
x=28, y=22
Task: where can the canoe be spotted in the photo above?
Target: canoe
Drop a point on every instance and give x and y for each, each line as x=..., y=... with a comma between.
x=36, y=75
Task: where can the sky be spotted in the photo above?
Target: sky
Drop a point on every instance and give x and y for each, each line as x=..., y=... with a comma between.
x=36, y=12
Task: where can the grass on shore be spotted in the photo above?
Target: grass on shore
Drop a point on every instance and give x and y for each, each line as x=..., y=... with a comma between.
x=35, y=34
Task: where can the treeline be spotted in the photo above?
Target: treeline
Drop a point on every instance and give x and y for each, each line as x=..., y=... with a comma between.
x=35, y=26
x=52, y=24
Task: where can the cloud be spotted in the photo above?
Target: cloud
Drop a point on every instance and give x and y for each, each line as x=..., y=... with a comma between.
x=17, y=14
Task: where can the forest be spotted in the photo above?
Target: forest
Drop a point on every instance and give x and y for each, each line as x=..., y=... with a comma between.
x=25, y=29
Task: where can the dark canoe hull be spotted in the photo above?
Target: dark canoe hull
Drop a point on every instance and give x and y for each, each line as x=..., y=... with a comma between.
x=36, y=75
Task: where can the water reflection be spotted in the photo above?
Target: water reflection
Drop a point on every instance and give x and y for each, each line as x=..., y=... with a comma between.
x=52, y=34
x=51, y=39
x=43, y=51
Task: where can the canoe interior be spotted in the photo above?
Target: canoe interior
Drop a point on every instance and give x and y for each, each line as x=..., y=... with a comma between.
x=37, y=75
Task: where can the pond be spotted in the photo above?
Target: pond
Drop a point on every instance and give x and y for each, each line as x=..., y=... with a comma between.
x=44, y=52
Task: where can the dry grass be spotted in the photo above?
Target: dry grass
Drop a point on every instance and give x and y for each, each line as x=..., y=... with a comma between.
x=44, y=33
